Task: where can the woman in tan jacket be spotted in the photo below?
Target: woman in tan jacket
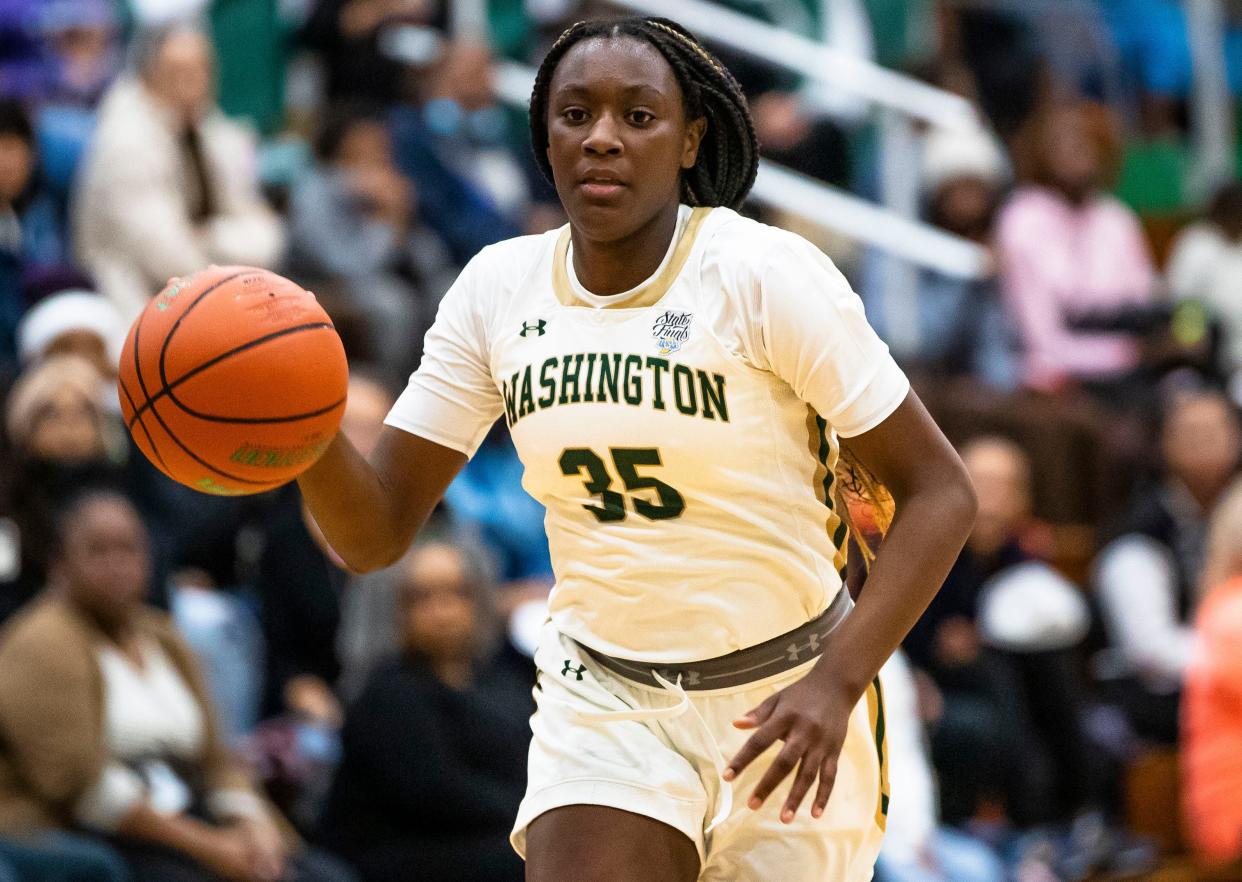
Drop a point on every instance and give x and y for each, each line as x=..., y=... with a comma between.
x=105, y=724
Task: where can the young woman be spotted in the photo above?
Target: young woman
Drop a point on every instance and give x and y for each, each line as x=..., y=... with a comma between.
x=128, y=749
x=676, y=379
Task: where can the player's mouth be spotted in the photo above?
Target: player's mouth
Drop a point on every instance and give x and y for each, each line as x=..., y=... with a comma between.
x=600, y=185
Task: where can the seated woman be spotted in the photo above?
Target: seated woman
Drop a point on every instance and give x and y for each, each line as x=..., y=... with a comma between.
x=105, y=723
x=434, y=761
x=58, y=431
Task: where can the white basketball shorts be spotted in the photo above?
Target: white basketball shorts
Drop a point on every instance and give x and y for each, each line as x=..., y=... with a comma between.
x=600, y=739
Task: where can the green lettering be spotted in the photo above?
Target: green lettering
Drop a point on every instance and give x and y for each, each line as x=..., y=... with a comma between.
x=570, y=376
x=657, y=394
x=528, y=402
x=633, y=380
x=509, y=388
x=587, y=396
x=608, y=375
x=683, y=390
x=713, y=397
x=548, y=383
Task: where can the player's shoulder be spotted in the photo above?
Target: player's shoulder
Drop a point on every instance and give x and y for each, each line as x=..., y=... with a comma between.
x=745, y=257
x=508, y=266
x=734, y=239
x=516, y=254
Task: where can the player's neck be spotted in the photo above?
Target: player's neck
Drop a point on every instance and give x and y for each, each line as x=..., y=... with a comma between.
x=606, y=268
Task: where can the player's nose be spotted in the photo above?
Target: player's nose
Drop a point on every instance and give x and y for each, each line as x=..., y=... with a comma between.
x=604, y=137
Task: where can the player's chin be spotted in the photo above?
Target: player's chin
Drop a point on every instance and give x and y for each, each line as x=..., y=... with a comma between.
x=601, y=219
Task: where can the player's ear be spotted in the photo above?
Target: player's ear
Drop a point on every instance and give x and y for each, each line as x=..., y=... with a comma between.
x=695, y=130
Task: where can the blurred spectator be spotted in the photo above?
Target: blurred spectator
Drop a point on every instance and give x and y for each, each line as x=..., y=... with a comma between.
x=31, y=237
x=1206, y=265
x=129, y=747
x=963, y=329
x=169, y=184
x=795, y=136
x=59, y=432
x=361, y=43
x=62, y=51
x=917, y=847
x=999, y=47
x=1154, y=43
x=1146, y=579
x=1070, y=252
x=79, y=323
x=353, y=218
x=999, y=641
x=82, y=51
x=469, y=130
x=1212, y=713
x=469, y=205
x=435, y=748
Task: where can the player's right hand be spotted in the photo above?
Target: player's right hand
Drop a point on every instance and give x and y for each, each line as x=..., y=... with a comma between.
x=812, y=718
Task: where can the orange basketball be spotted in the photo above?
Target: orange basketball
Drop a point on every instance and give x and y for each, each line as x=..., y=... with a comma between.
x=232, y=381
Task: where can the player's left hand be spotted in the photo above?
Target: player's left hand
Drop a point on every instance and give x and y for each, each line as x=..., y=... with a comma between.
x=811, y=717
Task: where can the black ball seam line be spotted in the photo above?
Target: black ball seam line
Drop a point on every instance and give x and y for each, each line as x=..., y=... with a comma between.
x=166, y=389
x=151, y=441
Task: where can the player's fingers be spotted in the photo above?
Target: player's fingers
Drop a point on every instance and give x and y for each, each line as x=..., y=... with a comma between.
x=807, y=772
x=755, y=745
x=827, y=777
x=757, y=717
x=786, y=761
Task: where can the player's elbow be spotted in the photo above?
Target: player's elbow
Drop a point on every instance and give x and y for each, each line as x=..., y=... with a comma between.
x=369, y=560
x=959, y=499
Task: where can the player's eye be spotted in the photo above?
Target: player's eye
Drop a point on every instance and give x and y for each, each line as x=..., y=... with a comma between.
x=640, y=117
x=573, y=114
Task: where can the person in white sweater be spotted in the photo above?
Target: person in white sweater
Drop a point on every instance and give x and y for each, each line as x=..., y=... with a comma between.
x=169, y=184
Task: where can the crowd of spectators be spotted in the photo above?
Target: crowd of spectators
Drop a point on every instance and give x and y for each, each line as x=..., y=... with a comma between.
x=196, y=688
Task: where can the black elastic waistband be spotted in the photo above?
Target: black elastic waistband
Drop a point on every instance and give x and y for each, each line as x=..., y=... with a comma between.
x=766, y=659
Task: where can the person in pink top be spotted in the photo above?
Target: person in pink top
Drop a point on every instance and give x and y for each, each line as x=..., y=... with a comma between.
x=1067, y=249
x=1212, y=699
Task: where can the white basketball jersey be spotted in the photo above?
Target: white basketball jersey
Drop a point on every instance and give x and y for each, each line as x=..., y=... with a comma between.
x=682, y=435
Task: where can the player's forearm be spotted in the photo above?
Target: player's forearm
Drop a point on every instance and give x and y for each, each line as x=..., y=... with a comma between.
x=352, y=506
x=926, y=536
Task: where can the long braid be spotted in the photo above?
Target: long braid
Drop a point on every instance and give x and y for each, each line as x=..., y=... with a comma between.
x=729, y=154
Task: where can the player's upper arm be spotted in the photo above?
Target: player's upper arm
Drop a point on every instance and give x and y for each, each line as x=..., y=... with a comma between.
x=810, y=330
x=452, y=399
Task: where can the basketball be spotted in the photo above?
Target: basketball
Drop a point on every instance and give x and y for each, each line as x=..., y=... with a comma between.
x=232, y=381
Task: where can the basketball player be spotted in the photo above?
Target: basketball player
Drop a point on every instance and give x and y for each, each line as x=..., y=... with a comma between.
x=677, y=380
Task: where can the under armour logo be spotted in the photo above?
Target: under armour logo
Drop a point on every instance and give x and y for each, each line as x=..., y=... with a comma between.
x=537, y=327
x=689, y=678
x=795, y=651
x=569, y=665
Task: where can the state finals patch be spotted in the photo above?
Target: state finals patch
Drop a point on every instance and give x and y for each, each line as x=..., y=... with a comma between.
x=671, y=330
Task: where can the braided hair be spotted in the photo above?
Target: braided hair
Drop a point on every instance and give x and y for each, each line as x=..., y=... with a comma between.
x=729, y=153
